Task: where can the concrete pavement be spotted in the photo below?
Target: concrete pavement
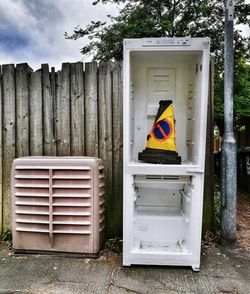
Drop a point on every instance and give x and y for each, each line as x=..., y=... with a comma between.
x=221, y=272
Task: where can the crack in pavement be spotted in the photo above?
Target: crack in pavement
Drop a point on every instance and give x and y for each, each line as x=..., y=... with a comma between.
x=126, y=289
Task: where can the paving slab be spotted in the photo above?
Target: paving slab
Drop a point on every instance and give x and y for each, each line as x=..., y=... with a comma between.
x=222, y=271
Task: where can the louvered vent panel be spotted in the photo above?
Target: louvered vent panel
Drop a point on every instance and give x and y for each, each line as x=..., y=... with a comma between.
x=58, y=204
x=101, y=198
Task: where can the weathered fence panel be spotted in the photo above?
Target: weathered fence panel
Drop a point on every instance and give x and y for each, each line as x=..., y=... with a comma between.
x=69, y=112
x=9, y=138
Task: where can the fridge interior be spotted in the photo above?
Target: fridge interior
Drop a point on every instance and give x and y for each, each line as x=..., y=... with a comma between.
x=162, y=214
x=168, y=75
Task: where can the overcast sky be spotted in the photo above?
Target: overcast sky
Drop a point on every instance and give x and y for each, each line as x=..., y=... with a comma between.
x=33, y=30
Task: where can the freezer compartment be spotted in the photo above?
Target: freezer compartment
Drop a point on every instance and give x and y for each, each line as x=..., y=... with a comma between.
x=162, y=214
x=168, y=75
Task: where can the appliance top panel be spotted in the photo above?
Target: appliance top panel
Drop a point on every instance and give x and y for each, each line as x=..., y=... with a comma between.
x=183, y=43
x=47, y=161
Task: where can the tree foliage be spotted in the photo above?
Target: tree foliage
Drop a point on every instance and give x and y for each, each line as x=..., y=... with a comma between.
x=172, y=18
x=241, y=96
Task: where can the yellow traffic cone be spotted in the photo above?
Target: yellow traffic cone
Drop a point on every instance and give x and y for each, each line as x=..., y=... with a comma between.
x=161, y=146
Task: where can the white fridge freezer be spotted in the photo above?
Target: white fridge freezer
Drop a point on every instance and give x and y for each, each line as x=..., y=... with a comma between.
x=162, y=203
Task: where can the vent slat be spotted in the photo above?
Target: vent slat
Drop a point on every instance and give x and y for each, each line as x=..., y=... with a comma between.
x=31, y=221
x=70, y=177
x=82, y=232
x=32, y=203
x=24, y=194
x=32, y=212
x=102, y=220
x=73, y=213
x=31, y=230
x=72, y=204
x=31, y=185
x=72, y=196
x=72, y=186
x=84, y=168
x=31, y=177
x=76, y=223
x=102, y=202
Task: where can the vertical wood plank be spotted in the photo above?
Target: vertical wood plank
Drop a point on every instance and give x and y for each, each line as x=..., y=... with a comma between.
x=63, y=112
x=91, y=119
x=58, y=76
x=48, y=113
x=77, y=109
x=117, y=147
x=208, y=202
x=54, y=104
x=22, y=109
x=36, y=114
x=105, y=139
x=9, y=141
x=1, y=180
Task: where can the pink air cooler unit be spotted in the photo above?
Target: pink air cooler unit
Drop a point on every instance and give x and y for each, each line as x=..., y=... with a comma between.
x=58, y=204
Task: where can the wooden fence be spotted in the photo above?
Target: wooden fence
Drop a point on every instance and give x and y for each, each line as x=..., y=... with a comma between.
x=74, y=111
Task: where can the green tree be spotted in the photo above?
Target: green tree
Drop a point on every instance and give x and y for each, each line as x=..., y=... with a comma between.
x=169, y=18
x=241, y=96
